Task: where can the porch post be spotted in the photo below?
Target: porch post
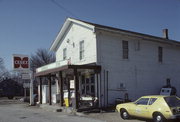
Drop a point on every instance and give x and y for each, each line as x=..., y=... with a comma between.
x=40, y=83
x=60, y=82
x=97, y=88
x=76, y=84
x=50, y=97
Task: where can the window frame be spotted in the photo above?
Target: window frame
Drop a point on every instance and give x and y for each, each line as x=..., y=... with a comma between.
x=160, y=54
x=125, y=49
x=81, y=50
x=64, y=53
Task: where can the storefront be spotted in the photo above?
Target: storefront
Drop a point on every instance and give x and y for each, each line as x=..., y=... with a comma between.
x=78, y=85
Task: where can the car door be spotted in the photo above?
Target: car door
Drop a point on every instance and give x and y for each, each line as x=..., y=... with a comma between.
x=141, y=108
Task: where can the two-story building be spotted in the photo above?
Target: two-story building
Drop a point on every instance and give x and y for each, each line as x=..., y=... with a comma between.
x=106, y=63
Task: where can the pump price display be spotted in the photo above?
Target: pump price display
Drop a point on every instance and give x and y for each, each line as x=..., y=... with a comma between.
x=20, y=62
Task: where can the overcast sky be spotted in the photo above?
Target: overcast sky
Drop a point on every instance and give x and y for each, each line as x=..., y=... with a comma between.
x=26, y=25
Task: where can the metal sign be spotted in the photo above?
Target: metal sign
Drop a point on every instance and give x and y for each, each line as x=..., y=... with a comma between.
x=25, y=76
x=20, y=62
x=72, y=84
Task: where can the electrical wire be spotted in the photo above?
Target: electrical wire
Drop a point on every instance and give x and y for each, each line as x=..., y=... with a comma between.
x=63, y=8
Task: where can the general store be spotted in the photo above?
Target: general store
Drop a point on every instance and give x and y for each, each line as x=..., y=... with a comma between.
x=101, y=64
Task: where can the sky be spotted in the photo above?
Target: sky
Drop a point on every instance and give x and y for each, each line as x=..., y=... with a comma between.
x=27, y=25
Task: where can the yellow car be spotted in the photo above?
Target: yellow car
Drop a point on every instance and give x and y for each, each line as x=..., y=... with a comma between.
x=159, y=108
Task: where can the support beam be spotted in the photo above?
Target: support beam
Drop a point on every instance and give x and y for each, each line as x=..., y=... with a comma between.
x=60, y=82
x=50, y=95
x=97, y=88
x=40, y=84
x=76, y=84
x=68, y=88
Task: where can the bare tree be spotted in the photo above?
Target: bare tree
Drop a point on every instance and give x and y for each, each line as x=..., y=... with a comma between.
x=40, y=58
x=1, y=63
x=3, y=72
x=1, y=67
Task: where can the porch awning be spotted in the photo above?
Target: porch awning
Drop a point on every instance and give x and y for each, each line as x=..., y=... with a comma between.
x=97, y=68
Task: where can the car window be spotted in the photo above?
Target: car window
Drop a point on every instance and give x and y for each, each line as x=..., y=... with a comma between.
x=172, y=101
x=152, y=100
x=142, y=101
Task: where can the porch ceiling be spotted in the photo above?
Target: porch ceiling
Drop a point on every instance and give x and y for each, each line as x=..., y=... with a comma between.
x=97, y=68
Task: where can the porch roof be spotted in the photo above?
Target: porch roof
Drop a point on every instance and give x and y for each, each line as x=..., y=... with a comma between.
x=97, y=68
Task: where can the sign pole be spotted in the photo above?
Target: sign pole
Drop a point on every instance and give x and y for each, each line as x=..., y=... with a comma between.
x=21, y=63
x=31, y=89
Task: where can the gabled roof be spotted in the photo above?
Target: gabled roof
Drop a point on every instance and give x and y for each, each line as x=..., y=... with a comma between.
x=96, y=27
x=64, y=28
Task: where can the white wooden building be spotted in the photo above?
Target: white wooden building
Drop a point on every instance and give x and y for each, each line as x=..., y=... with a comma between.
x=107, y=63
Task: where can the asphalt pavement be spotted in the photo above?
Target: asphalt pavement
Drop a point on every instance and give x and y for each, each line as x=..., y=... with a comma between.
x=17, y=111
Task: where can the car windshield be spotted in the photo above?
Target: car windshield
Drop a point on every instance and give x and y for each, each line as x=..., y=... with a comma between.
x=172, y=101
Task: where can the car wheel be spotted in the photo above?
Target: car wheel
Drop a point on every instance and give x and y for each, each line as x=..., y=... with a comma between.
x=158, y=117
x=124, y=114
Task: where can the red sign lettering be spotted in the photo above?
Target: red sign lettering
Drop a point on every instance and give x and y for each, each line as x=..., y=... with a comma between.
x=21, y=62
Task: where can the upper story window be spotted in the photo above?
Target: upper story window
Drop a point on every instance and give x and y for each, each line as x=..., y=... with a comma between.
x=81, y=50
x=160, y=54
x=64, y=54
x=137, y=45
x=125, y=49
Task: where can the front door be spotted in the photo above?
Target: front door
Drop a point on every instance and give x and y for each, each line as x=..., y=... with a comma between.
x=141, y=108
x=88, y=85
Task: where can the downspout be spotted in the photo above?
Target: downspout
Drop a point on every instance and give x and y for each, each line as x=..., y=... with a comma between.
x=107, y=81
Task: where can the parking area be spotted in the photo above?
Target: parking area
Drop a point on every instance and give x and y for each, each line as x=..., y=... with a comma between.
x=110, y=117
x=26, y=111
x=20, y=110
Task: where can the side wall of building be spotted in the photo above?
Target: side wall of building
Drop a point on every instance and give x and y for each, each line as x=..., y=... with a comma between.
x=71, y=42
x=140, y=74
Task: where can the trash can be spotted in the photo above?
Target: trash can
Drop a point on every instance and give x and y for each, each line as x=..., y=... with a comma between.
x=66, y=100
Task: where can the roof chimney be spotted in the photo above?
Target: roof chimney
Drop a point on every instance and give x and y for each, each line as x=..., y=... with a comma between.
x=165, y=33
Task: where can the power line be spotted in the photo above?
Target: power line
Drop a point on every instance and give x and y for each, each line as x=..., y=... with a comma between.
x=63, y=8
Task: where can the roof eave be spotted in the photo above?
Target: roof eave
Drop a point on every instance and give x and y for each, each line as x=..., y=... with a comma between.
x=140, y=35
x=59, y=36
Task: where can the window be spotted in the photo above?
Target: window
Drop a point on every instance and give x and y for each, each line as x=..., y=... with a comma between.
x=64, y=54
x=152, y=100
x=137, y=45
x=81, y=50
x=160, y=54
x=88, y=85
x=92, y=89
x=142, y=101
x=125, y=49
x=172, y=101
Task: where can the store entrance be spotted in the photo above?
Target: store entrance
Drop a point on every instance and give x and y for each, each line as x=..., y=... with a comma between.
x=88, y=86
x=88, y=99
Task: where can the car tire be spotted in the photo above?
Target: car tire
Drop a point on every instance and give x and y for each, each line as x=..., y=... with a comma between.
x=124, y=114
x=158, y=117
